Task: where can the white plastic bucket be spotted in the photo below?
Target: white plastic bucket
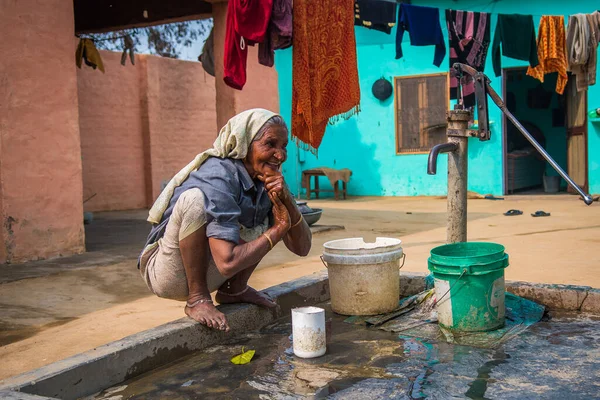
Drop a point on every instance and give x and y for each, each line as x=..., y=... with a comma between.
x=363, y=277
x=551, y=184
x=308, y=330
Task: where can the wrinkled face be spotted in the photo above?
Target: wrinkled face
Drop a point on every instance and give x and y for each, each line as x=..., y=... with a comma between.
x=266, y=154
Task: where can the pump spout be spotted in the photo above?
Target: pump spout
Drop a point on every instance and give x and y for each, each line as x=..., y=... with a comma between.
x=433, y=155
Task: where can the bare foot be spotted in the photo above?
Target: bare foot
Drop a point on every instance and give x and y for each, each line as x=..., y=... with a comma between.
x=207, y=314
x=249, y=295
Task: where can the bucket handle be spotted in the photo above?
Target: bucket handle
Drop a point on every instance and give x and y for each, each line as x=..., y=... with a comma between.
x=323, y=261
x=403, y=260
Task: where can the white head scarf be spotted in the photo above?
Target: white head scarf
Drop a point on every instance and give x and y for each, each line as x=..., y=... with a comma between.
x=233, y=142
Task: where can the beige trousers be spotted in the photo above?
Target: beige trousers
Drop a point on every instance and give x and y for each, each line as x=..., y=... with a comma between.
x=161, y=264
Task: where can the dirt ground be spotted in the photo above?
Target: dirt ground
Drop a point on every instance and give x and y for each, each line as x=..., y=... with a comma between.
x=52, y=310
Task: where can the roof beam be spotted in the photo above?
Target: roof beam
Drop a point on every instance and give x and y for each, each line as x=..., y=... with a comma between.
x=99, y=16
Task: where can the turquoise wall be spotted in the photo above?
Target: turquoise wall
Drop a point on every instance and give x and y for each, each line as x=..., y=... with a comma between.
x=365, y=143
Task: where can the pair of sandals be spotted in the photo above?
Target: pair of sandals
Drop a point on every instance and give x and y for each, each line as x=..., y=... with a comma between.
x=539, y=213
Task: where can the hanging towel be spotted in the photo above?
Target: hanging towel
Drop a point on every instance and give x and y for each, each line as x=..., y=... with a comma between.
x=594, y=21
x=517, y=35
x=207, y=58
x=324, y=70
x=423, y=24
x=87, y=52
x=469, y=39
x=246, y=25
x=551, y=51
x=578, y=49
x=377, y=15
x=279, y=32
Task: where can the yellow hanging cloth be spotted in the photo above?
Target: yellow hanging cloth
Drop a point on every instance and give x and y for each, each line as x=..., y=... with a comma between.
x=551, y=49
x=86, y=51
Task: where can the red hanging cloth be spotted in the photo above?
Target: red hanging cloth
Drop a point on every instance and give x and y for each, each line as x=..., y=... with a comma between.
x=246, y=24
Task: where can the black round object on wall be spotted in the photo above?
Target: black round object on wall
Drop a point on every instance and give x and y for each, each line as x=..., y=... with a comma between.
x=382, y=89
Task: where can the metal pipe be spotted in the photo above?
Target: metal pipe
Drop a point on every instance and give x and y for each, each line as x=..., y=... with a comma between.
x=498, y=101
x=457, y=189
x=433, y=155
x=458, y=135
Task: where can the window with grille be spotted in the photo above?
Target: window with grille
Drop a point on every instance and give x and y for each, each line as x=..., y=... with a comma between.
x=421, y=104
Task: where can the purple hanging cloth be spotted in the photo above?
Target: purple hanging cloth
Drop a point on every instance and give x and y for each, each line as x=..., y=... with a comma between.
x=279, y=32
x=469, y=39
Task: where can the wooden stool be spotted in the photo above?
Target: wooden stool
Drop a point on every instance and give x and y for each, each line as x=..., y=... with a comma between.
x=306, y=175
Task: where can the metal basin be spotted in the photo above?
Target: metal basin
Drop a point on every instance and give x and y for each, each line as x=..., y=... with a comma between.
x=313, y=216
x=303, y=207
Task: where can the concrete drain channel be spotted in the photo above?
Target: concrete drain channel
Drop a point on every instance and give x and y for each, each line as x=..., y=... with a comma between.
x=183, y=359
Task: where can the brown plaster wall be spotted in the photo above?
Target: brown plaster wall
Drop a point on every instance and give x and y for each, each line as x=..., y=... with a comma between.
x=140, y=125
x=180, y=115
x=110, y=121
x=40, y=160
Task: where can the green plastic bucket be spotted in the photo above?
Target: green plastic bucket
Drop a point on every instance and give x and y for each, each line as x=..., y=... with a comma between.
x=469, y=285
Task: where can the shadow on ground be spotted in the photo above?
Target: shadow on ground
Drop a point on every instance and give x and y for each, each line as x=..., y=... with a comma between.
x=39, y=295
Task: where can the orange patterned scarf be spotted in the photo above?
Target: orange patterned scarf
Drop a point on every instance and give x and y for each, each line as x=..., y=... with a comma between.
x=325, y=74
x=551, y=51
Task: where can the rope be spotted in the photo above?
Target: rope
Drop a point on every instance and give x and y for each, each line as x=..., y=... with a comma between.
x=437, y=301
x=96, y=39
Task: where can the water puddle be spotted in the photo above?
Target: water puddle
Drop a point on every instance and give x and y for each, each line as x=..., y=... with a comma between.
x=478, y=387
x=558, y=359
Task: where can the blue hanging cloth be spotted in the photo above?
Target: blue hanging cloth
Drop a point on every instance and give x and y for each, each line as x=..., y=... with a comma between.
x=423, y=24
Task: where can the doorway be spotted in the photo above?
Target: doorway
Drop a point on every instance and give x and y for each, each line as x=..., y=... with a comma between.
x=577, y=157
x=557, y=122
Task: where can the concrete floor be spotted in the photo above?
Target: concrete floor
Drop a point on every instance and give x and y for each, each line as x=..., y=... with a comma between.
x=555, y=359
x=70, y=305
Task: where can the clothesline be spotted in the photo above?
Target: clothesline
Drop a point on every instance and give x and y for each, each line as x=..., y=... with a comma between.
x=483, y=9
x=101, y=39
x=468, y=34
x=473, y=7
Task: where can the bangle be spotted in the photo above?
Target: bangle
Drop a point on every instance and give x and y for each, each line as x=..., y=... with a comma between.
x=269, y=239
x=297, y=223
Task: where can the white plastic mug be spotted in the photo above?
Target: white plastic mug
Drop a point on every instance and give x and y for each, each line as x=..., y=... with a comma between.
x=308, y=330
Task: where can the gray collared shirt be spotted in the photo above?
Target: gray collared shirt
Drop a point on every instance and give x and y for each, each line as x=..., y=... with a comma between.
x=231, y=199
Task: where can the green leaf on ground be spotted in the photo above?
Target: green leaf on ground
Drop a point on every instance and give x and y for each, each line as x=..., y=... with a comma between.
x=243, y=358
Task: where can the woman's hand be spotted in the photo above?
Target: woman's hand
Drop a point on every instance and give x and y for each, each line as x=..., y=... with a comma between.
x=274, y=182
x=298, y=239
x=280, y=214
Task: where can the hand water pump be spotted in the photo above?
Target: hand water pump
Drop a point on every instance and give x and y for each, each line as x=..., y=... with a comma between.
x=458, y=133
